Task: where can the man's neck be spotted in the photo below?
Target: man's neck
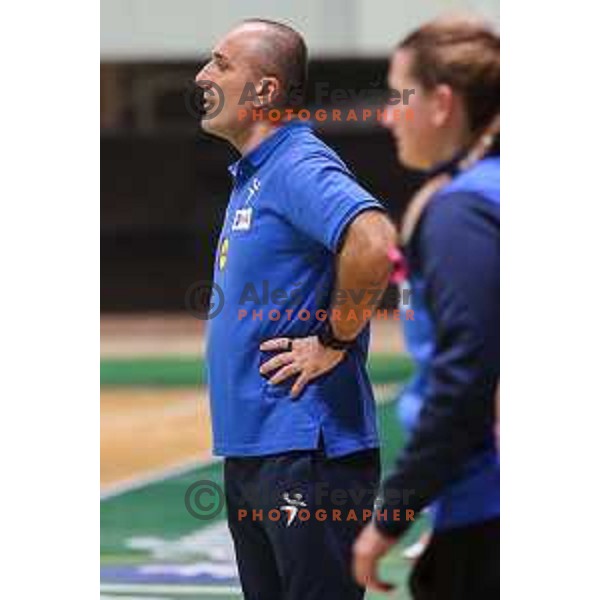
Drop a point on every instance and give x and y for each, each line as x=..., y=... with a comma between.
x=251, y=138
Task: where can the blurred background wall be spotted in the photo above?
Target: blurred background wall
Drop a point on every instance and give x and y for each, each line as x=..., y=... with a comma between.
x=164, y=184
x=180, y=29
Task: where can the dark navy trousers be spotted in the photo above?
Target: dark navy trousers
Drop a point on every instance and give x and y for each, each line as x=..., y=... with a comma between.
x=294, y=518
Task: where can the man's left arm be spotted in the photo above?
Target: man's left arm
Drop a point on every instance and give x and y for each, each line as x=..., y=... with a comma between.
x=341, y=215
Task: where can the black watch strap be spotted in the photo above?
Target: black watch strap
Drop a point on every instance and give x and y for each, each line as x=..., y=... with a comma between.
x=328, y=339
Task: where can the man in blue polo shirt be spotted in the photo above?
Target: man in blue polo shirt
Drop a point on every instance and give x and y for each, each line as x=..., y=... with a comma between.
x=292, y=407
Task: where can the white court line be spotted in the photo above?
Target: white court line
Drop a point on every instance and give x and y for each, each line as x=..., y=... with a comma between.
x=121, y=597
x=383, y=393
x=172, y=590
x=156, y=476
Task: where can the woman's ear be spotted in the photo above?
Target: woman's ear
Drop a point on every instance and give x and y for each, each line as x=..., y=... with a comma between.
x=443, y=103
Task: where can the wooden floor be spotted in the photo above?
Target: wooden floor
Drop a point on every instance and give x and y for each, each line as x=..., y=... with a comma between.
x=146, y=430
x=150, y=335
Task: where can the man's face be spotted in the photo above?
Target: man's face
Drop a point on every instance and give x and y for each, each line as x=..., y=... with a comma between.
x=414, y=131
x=234, y=63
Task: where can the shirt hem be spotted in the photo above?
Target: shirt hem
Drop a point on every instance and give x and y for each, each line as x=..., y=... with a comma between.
x=332, y=449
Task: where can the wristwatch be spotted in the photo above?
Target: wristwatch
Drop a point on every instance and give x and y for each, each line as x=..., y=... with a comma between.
x=327, y=338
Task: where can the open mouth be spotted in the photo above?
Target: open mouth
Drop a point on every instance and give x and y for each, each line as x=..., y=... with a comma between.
x=209, y=101
x=205, y=101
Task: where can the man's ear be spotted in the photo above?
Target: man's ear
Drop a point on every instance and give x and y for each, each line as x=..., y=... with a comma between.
x=268, y=90
x=444, y=102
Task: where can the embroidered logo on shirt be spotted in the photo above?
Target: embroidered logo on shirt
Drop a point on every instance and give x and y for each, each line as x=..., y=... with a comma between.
x=223, y=253
x=252, y=190
x=242, y=219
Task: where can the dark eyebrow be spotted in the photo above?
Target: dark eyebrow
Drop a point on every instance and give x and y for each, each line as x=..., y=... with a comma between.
x=219, y=56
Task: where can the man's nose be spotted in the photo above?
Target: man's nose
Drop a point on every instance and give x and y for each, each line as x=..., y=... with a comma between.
x=202, y=80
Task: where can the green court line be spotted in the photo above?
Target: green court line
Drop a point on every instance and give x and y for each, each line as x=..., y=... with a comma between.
x=189, y=371
x=151, y=511
x=158, y=510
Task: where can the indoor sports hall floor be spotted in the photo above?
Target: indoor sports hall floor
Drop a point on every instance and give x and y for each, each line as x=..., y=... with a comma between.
x=155, y=443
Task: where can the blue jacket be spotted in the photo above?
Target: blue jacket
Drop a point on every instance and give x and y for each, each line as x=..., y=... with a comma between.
x=419, y=340
x=450, y=461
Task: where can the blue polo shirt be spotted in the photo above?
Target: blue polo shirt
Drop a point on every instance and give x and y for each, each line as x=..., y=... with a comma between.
x=292, y=200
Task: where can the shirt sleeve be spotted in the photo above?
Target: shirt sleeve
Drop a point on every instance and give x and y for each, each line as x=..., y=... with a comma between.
x=457, y=252
x=322, y=198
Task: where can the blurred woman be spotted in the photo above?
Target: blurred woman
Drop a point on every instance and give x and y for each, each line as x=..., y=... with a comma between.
x=418, y=340
x=450, y=239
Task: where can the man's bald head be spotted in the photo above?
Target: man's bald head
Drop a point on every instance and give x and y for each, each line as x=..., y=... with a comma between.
x=260, y=64
x=280, y=51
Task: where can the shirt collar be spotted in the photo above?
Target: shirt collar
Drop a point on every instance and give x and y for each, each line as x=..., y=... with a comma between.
x=451, y=166
x=448, y=166
x=246, y=165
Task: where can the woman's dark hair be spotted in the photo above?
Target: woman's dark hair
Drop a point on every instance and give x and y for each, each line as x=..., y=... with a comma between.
x=464, y=54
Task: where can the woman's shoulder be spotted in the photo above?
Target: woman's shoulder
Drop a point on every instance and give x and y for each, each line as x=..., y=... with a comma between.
x=482, y=179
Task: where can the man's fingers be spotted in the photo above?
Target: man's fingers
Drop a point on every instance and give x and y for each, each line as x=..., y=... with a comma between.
x=277, y=361
x=299, y=384
x=275, y=344
x=284, y=373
